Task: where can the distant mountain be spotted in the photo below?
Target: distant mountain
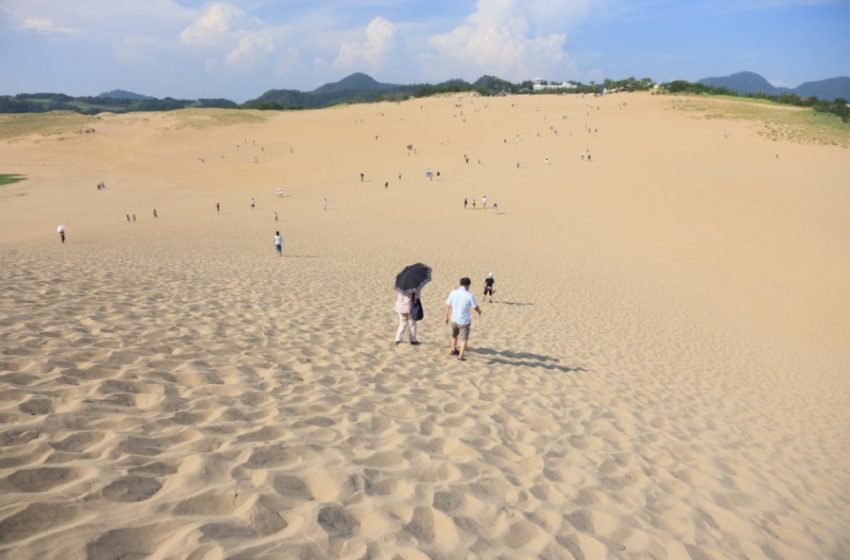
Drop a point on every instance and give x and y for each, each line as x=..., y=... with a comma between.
x=354, y=88
x=751, y=83
x=360, y=87
x=355, y=82
x=124, y=94
x=833, y=88
x=743, y=82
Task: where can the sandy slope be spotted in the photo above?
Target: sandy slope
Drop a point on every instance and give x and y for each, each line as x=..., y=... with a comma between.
x=664, y=374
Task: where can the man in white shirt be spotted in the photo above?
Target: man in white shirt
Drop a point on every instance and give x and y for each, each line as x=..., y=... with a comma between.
x=278, y=244
x=458, y=306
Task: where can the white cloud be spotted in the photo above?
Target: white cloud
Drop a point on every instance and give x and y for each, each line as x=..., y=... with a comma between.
x=370, y=52
x=40, y=25
x=497, y=38
x=288, y=61
x=94, y=17
x=595, y=75
x=250, y=49
x=211, y=24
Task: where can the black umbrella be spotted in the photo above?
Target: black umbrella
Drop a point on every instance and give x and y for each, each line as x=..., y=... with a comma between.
x=413, y=278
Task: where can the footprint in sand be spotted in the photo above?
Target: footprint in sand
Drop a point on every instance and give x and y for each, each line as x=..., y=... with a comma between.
x=132, y=489
x=42, y=479
x=37, y=518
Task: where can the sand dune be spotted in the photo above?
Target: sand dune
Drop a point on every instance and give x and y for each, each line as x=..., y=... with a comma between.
x=663, y=374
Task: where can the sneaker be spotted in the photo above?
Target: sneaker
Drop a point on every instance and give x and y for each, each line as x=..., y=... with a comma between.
x=415, y=342
x=455, y=352
x=398, y=342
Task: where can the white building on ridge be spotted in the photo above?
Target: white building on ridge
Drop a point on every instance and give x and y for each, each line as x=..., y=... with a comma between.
x=538, y=84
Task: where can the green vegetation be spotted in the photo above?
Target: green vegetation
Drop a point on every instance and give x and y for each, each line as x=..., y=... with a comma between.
x=357, y=88
x=194, y=118
x=837, y=107
x=9, y=178
x=777, y=121
x=46, y=102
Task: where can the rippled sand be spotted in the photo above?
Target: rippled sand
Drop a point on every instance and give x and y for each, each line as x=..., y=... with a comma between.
x=663, y=374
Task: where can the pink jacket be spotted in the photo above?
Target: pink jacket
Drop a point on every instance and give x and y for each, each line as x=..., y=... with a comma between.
x=402, y=303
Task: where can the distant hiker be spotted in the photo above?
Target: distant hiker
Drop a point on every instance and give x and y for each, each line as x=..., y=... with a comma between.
x=465, y=202
x=61, y=231
x=325, y=203
x=362, y=176
x=488, y=287
x=253, y=203
x=386, y=184
x=134, y=218
x=154, y=213
x=128, y=218
x=278, y=244
x=275, y=216
x=217, y=208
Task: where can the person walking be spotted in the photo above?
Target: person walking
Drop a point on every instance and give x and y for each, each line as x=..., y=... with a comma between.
x=278, y=244
x=465, y=202
x=253, y=203
x=458, y=306
x=488, y=287
x=61, y=231
x=403, y=304
x=325, y=203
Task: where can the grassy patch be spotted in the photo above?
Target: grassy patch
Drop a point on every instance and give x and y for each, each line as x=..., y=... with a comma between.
x=9, y=178
x=208, y=118
x=45, y=124
x=776, y=122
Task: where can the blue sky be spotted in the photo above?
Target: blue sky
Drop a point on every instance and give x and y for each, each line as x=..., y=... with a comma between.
x=239, y=49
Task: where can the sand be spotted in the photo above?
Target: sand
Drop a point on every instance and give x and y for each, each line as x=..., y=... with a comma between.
x=663, y=373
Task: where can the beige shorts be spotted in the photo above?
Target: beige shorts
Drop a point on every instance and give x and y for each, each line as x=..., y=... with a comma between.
x=460, y=331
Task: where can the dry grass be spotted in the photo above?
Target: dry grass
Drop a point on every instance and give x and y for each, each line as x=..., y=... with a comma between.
x=777, y=122
x=207, y=118
x=44, y=124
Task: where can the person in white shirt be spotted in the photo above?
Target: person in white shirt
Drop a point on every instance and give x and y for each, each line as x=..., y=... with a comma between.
x=458, y=306
x=278, y=244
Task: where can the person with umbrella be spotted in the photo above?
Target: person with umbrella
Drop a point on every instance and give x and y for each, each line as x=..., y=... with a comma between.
x=409, y=283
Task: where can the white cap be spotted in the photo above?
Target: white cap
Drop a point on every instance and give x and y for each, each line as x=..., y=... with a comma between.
x=490, y=275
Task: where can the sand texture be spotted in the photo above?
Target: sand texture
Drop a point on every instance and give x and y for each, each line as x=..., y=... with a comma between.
x=664, y=373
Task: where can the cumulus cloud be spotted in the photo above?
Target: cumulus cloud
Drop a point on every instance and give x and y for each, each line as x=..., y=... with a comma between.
x=211, y=24
x=498, y=38
x=370, y=52
x=250, y=49
x=40, y=25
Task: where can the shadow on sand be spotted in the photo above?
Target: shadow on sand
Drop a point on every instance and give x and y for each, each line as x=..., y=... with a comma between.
x=523, y=303
x=524, y=359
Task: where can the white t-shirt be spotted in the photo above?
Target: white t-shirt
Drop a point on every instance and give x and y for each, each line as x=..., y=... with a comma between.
x=461, y=302
x=277, y=240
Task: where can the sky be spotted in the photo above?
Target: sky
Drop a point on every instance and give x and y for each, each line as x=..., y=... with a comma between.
x=240, y=49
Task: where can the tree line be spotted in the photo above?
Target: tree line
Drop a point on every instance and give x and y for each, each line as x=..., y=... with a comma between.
x=837, y=107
